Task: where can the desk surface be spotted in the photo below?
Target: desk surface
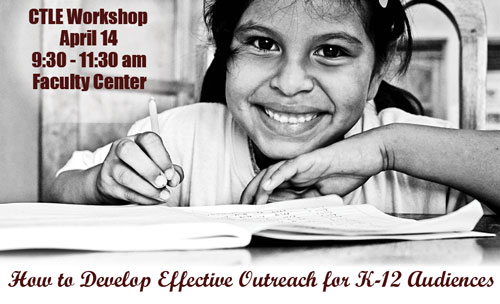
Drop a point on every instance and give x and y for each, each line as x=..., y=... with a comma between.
x=263, y=252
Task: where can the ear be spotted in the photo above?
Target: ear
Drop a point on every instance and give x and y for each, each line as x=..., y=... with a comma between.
x=375, y=83
x=379, y=73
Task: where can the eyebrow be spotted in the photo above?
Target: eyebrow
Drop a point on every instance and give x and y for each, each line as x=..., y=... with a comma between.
x=252, y=26
x=338, y=35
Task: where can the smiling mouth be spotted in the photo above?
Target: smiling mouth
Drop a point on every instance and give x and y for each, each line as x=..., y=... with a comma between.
x=290, y=118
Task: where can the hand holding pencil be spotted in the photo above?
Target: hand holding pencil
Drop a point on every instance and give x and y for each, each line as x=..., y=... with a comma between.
x=138, y=168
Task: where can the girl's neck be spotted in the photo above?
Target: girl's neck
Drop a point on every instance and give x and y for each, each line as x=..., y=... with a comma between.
x=261, y=160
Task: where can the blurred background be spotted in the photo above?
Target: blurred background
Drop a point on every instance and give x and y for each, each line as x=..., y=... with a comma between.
x=40, y=129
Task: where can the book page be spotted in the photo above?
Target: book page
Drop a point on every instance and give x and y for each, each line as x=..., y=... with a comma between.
x=313, y=215
x=323, y=216
x=112, y=228
x=140, y=228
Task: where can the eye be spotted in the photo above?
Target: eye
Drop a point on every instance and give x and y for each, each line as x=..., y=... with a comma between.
x=330, y=51
x=264, y=44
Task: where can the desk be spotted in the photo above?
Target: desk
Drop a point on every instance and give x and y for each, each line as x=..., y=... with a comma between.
x=267, y=252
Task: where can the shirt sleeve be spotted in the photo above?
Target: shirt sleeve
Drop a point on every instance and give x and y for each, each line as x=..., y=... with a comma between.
x=82, y=160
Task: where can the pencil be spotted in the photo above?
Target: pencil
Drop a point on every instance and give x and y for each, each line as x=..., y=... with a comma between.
x=153, y=116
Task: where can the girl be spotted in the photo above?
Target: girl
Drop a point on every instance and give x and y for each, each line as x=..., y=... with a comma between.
x=292, y=115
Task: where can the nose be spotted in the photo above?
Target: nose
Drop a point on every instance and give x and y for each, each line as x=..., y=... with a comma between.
x=292, y=78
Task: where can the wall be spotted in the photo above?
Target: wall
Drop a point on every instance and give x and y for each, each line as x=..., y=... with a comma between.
x=429, y=23
x=19, y=104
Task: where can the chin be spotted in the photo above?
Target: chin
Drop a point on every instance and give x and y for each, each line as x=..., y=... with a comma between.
x=283, y=150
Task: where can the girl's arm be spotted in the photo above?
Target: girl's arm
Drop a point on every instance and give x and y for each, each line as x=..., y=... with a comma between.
x=463, y=159
x=467, y=160
x=76, y=186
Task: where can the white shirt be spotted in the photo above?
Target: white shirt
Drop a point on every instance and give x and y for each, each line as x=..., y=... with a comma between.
x=213, y=150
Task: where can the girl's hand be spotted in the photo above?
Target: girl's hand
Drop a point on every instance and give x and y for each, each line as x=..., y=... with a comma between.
x=137, y=169
x=336, y=169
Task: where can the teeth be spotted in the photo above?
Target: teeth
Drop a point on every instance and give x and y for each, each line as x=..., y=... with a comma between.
x=289, y=118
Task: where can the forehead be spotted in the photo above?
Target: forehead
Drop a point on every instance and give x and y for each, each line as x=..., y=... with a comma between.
x=310, y=15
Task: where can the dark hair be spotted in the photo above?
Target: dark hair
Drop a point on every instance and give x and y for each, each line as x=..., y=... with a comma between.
x=388, y=29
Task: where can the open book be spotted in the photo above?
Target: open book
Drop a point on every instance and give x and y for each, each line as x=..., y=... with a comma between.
x=140, y=228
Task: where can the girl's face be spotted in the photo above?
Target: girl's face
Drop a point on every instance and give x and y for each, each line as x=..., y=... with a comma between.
x=301, y=75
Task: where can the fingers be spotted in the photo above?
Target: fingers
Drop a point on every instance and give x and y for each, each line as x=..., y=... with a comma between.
x=152, y=145
x=290, y=194
x=254, y=192
x=138, y=169
x=178, y=177
x=262, y=195
x=285, y=180
x=123, y=184
x=131, y=196
x=147, y=155
x=247, y=197
x=282, y=174
x=282, y=195
x=131, y=154
x=129, y=179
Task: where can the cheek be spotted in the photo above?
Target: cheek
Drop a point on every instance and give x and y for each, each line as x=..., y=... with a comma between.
x=349, y=111
x=243, y=80
x=239, y=89
x=236, y=85
x=233, y=86
x=347, y=87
